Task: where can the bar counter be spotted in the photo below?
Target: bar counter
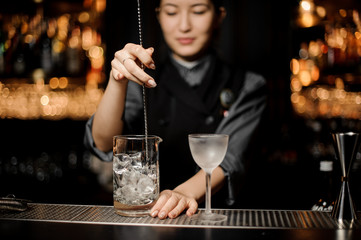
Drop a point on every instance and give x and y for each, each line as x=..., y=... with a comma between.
x=62, y=221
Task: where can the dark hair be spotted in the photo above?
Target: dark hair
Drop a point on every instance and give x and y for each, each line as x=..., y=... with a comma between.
x=216, y=3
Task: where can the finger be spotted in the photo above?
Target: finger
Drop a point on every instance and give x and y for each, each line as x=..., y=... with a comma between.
x=117, y=75
x=119, y=72
x=128, y=75
x=182, y=204
x=150, y=64
x=163, y=198
x=127, y=66
x=143, y=55
x=134, y=54
x=192, y=208
x=117, y=67
x=169, y=206
x=133, y=72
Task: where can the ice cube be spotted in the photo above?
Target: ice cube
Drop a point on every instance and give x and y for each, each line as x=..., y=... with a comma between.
x=118, y=192
x=152, y=172
x=145, y=185
x=127, y=178
x=129, y=193
x=136, y=156
x=121, y=161
x=137, y=165
x=136, y=161
x=133, y=178
x=117, y=180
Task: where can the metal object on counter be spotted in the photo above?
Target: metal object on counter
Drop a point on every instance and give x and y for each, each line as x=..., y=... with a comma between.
x=12, y=203
x=346, y=146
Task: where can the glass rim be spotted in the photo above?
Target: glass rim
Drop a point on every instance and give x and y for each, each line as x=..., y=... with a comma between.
x=135, y=136
x=199, y=135
x=349, y=133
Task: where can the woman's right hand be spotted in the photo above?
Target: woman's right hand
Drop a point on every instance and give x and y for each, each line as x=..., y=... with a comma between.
x=127, y=63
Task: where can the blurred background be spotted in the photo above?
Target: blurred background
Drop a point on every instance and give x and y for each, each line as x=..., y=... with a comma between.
x=54, y=64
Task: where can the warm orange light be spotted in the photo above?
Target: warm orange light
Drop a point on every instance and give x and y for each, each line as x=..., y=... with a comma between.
x=296, y=86
x=314, y=49
x=100, y=5
x=294, y=98
x=321, y=11
x=97, y=63
x=83, y=17
x=322, y=94
x=96, y=52
x=44, y=100
x=63, y=82
x=87, y=38
x=342, y=12
x=358, y=35
x=323, y=108
x=315, y=73
x=305, y=78
x=294, y=66
x=339, y=83
x=306, y=5
x=87, y=3
x=54, y=82
x=29, y=38
x=74, y=42
x=307, y=20
x=324, y=48
x=58, y=47
x=358, y=99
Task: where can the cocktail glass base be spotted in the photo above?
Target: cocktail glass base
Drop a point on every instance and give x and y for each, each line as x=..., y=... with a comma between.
x=132, y=213
x=209, y=217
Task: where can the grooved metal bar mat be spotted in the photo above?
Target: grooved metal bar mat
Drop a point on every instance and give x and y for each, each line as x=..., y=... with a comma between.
x=237, y=218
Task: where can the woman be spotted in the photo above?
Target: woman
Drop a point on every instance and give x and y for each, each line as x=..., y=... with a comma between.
x=183, y=97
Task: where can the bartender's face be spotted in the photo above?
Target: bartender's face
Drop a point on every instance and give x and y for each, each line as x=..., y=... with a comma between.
x=188, y=26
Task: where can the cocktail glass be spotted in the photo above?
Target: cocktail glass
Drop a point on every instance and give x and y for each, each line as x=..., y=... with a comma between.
x=208, y=151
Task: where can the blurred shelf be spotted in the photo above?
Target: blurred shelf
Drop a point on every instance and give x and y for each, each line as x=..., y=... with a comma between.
x=51, y=59
x=61, y=98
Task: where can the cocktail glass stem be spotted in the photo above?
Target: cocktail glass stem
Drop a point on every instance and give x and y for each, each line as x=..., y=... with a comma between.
x=208, y=193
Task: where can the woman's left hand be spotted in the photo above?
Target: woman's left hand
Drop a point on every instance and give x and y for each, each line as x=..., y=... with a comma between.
x=172, y=203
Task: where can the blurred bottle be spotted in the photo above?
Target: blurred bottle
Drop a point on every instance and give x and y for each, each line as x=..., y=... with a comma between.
x=326, y=187
x=18, y=56
x=44, y=49
x=2, y=50
x=59, y=44
x=74, y=56
x=24, y=44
